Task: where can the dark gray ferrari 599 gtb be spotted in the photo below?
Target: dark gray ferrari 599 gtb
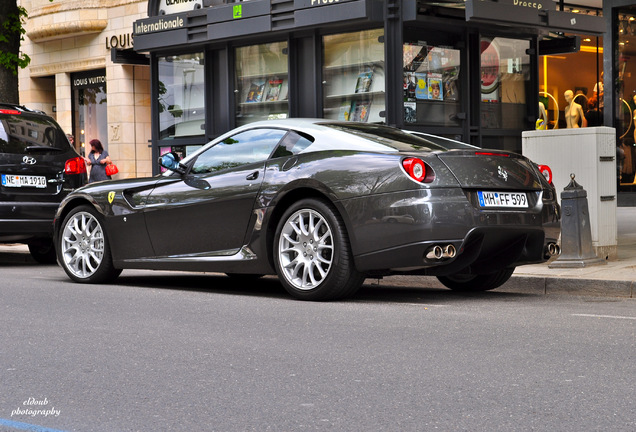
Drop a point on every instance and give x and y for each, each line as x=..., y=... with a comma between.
x=322, y=204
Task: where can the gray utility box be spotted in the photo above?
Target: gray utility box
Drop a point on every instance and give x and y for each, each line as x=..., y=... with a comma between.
x=590, y=154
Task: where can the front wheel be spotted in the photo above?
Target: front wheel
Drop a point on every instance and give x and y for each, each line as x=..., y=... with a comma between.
x=312, y=253
x=482, y=282
x=83, y=248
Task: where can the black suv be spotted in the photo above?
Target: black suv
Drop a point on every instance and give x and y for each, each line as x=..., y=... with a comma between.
x=38, y=167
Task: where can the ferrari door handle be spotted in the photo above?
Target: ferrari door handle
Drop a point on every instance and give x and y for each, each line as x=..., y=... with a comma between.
x=252, y=176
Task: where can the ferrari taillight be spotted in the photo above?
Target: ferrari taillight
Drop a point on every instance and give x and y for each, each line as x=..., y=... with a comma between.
x=75, y=166
x=547, y=172
x=416, y=169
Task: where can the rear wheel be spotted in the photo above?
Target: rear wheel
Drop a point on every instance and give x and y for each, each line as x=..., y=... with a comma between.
x=43, y=251
x=84, y=249
x=312, y=253
x=481, y=282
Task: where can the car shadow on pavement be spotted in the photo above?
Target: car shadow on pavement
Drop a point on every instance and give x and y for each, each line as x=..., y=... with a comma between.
x=201, y=282
x=270, y=287
x=425, y=294
x=13, y=259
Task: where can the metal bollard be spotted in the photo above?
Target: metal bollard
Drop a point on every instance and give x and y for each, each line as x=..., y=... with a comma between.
x=576, y=234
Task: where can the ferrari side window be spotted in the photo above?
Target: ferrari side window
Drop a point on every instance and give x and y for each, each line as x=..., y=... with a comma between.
x=243, y=148
x=293, y=144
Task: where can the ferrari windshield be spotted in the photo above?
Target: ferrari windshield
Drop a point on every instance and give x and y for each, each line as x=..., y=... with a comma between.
x=388, y=136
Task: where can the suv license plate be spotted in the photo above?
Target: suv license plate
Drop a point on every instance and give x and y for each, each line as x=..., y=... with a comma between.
x=502, y=199
x=10, y=180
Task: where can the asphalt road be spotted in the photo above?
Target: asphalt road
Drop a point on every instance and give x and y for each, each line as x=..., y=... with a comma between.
x=181, y=352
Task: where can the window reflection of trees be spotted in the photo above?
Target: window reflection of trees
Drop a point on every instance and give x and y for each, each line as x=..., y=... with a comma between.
x=180, y=95
x=89, y=95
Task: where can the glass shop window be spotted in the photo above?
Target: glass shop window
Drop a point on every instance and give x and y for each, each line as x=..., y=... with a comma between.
x=432, y=92
x=90, y=103
x=353, y=76
x=505, y=81
x=262, y=82
x=181, y=95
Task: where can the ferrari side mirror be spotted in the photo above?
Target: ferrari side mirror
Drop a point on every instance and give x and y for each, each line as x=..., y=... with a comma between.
x=171, y=161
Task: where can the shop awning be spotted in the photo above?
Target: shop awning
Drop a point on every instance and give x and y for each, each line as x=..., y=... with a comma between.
x=533, y=13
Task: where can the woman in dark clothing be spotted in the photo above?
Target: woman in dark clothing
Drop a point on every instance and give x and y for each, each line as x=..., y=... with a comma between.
x=97, y=159
x=593, y=116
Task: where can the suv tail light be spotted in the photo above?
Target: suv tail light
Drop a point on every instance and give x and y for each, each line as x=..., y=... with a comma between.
x=547, y=172
x=9, y=111
x=417, y=170
x=75, y=166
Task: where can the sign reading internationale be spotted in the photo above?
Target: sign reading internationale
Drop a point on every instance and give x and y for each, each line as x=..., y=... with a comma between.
x=160, y=24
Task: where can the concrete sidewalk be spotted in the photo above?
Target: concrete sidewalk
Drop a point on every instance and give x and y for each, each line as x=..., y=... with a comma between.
x=614, y=278
x=611, y=279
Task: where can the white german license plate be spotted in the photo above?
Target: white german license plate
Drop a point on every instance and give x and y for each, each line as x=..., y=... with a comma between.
x=502, y=199
x=10, y=180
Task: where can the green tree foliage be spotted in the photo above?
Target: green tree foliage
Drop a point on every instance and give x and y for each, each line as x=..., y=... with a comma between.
x=12, y=19
x=12, y=28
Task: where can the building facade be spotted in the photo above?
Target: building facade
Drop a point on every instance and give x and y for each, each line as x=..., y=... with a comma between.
x=467, y=70
x=84, y=73
x=146, y=77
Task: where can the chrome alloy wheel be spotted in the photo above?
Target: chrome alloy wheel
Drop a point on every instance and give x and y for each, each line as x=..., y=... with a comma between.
x=306, y=249
x=82, y=244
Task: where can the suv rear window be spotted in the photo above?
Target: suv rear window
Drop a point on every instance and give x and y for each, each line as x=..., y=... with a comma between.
x=26, y=133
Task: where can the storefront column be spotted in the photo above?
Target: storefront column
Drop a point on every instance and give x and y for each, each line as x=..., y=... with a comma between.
x=63, y=101
x=129, y=119
x=393, y=39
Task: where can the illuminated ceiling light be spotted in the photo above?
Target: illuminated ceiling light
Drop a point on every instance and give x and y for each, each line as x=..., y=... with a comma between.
x=591, y=49
x=575, y=11
x=587, y=40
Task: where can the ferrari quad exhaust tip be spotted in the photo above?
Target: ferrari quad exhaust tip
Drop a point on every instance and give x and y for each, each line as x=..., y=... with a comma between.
x=553, y=249
x=438, y=252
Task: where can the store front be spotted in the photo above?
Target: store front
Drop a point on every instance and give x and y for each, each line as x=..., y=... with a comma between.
x=461, y=72
x=89, y=108
x=620, y=85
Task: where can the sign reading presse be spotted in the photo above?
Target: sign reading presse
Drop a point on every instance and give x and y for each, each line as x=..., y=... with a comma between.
x=527, y=4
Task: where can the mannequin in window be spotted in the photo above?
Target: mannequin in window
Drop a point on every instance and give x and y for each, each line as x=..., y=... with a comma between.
x=598, y=92
x=573, y=111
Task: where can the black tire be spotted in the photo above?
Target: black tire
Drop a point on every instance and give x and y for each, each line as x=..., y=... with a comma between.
x=43, y=251
x=312, y=253
x=483, y=282
x=83, y=248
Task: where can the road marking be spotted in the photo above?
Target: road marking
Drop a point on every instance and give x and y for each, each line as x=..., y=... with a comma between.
x=26, y=426
x=604, y=316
